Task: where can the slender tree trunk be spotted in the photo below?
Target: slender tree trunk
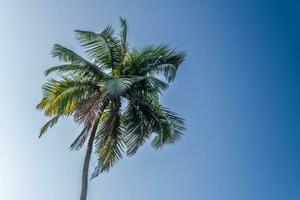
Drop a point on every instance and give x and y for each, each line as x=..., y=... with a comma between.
x=85, y=171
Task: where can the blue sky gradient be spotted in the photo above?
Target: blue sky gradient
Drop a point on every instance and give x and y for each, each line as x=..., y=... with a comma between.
x=239, y=91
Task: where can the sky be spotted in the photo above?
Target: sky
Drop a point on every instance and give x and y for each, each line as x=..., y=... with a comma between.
x=239, y=90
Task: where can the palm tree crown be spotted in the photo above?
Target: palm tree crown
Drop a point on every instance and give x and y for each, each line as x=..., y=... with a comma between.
x=114, y=95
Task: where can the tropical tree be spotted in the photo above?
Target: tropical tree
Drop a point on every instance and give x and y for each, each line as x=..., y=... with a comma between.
x=114, y=95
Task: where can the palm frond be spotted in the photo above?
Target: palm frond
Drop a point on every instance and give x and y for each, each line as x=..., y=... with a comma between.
x=171, y=127
x=160, y=60
x=112, y=120
x=109, y=140
x=61, y=97
x=166, y=70
x=80, y=140
x=154, y=84
x=103, y=48
x=66, y=55
x=48, y=125
x=123, y=34
x=91, y=108
x=75, y=63
x=138, y=125
x=144, y=116
x=167, y=64
x=116, y=87
x=85, y=37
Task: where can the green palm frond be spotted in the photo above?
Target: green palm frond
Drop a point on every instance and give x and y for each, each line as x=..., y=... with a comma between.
x=170, y=127
x=103, y=48
x=155, y=84
x=61, y=97
x=138, y=120
x=48, y=125
x=144, y=116
x=85, y=71
x=116, y=87
x=160, y=60
x=67, y=55
x=75, y=63
x=167, y=70
x=123, y=34
x=109, y=152
x=85, y=37
x=109, y=139
x=167, y=64
x=111, y=120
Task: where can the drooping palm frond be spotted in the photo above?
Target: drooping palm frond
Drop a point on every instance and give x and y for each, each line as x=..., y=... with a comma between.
x=111, y=121
x=91, y=109
x=48, y=125
x=80, y=140
x=109, y=139
x=154, y=84
x=167, y=64
x=109, y=152
x=170, y=127
x=137, y=128
x=145, y=116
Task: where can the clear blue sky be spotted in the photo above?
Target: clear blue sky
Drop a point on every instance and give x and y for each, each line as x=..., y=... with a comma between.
x=239, y=91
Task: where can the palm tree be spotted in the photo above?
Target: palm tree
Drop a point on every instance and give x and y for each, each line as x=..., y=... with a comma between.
x=114, y=96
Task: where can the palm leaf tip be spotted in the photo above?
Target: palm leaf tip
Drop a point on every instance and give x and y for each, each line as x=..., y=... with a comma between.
x=123, y=33
x=48, y=125
x=85, y=35
x=171, y=128
x=80, y=140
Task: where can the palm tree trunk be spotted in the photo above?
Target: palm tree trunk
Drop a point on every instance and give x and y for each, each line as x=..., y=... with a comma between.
x=85, y=171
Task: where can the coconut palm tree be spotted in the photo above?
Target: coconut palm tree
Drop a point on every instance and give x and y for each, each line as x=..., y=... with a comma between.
x=114, y=95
